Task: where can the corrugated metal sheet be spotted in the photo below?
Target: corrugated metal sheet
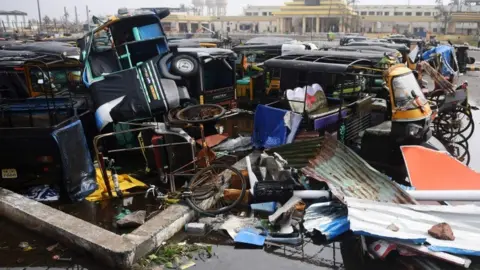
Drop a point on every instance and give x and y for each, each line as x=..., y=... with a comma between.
x=348, y=175
x=299, y=153
x=413, y=222
x=329, y=218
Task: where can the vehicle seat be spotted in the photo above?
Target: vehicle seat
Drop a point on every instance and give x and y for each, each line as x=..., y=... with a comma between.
x=383, y=129
x=103, y=63
x=243, y=86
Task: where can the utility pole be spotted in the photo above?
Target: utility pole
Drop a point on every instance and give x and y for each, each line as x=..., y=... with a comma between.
x=39, y=17
x=76, y=16
x=88, y=19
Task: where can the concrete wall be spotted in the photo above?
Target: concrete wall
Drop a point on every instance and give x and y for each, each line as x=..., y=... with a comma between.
x=247, y=26
x=260, y=10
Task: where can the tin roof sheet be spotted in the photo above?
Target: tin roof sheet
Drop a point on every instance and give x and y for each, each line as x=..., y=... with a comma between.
x=348, y=175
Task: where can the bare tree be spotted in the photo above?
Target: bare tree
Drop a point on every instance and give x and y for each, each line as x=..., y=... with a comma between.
x=54, y=24
x=47, y=22
x=444, y=15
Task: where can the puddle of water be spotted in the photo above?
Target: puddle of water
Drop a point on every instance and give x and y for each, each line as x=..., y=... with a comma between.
x=103, y=213
x=13, y=257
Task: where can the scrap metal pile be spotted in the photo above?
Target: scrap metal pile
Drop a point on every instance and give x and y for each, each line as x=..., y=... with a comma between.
x=328, y=194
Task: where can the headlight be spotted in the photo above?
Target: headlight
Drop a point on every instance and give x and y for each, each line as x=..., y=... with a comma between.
x=414, y=131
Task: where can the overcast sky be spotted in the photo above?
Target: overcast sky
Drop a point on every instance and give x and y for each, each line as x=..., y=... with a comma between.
x=54, y=8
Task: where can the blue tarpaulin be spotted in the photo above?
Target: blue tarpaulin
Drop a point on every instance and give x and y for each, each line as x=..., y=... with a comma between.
x=79, y=177
x=446, y=53
x=274, y=127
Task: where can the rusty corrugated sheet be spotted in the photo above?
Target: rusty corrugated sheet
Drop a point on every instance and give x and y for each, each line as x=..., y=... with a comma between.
x=347, y=174
x=299, y=153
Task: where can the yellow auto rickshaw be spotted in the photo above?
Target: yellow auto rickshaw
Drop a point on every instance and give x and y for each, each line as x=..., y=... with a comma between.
x=408, y=122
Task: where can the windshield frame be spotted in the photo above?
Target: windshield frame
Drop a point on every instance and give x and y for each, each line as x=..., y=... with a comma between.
x=409, y=104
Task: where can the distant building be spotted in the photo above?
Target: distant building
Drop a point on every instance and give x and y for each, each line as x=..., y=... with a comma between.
x=10, y=20
x=415, y=19
x=260, y=10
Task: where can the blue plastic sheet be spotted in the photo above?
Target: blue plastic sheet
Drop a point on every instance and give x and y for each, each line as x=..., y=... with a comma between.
x=250, y=236
x=446, y=53
x=271, y=130
x=78, y=171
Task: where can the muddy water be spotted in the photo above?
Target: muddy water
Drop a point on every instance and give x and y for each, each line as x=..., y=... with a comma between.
x=14, y=257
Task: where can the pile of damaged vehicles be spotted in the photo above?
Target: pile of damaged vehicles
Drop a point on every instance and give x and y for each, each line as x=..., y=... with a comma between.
x=330, y=130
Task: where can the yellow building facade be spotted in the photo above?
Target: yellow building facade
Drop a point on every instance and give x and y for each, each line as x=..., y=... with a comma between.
x=323, y=16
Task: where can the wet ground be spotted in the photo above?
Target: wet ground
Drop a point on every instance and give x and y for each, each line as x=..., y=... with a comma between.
x=226, y=256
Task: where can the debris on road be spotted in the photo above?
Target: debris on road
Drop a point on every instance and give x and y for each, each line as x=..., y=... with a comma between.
x=442, y=231
x=134, y=219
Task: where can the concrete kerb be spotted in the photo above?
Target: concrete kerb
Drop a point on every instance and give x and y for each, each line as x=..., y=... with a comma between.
x=116, y=251
x=107, y=247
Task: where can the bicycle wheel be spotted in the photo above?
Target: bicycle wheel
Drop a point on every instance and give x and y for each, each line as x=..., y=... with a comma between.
x=459, y=151
x=206, y=189
x=201, y=113
x=457, y=122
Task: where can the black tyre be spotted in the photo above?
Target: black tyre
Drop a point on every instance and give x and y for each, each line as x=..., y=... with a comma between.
x=454, y=123
x=458, y=148
x=201, y=113
x=439, y=97
x=206, y=184
x=184, y=65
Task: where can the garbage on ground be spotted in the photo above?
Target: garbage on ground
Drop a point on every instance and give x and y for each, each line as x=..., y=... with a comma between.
x=125, y=183
x=43, y=193
x=134, y=219
x=53, y=247
x=285, y=210
x=177, y=255
x=63, y=259
x=196, y=229
x=250, y=236
x=25, y=246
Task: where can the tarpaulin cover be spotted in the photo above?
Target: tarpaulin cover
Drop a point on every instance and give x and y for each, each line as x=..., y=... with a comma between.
x=77, y=165
x=122, y=84
x=272, y=126
x=125, y=183
x=447, y=53
x=433, y=170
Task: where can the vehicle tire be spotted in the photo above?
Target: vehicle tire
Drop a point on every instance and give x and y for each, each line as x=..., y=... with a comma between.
x=459, y=150
x=460, y=122
x=439, y=97
x=184, y=65
x=212, y=174
x=196, y=114
x=471, y=60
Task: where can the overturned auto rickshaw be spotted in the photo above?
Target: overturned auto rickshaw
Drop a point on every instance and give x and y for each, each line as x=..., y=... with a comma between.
x=132, y=71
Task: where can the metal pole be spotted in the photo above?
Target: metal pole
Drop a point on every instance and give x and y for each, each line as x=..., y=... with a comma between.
x=39, y=17
x=88, y=19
